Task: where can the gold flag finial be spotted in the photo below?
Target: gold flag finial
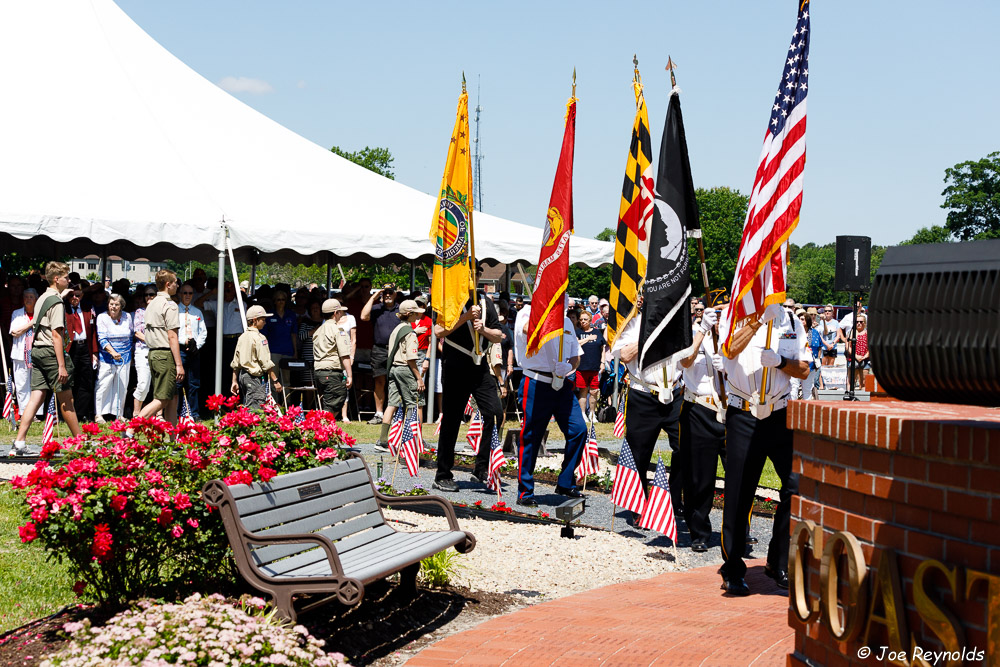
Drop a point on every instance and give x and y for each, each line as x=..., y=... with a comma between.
x=671, y=66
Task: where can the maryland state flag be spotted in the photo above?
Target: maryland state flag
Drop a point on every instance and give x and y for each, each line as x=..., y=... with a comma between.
x=634, y=214
x=451, y=229
x=547, y=310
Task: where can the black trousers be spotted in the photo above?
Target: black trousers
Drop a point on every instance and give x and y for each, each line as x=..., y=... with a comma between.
x=461, y=378
x=749, y=442
x=645, y=417
x=83, y=381
x=702, y=442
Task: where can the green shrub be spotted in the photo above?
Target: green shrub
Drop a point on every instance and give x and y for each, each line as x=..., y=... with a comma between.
x=437, y=570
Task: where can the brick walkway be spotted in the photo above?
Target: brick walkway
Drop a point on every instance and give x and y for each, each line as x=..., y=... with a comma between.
x=676, y=619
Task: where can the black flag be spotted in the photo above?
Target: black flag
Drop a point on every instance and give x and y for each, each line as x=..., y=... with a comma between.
x=666, y=314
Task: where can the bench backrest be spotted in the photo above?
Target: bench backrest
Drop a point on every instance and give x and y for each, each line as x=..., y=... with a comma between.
x=337, y=501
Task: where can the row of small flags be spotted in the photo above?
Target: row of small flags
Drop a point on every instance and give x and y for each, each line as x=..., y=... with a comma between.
x=655, y=512
x=405, y=436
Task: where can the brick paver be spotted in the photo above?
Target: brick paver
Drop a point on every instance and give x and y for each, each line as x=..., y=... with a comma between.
x=676, y=619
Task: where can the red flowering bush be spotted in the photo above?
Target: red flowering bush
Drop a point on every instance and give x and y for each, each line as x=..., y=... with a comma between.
x=126, y=513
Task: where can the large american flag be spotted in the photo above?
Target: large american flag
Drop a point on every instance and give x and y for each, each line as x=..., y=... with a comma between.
x=627, y=491
x=396, y=432
x=620, y=417
x=776, y=197
x=411, y=442
x=589, y=461
x=659, y=514
x=475, y=434
x=185, y=416
x=50, y=421
x=496, y=462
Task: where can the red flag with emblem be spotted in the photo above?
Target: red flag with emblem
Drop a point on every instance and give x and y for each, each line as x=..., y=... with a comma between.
x=552, y=278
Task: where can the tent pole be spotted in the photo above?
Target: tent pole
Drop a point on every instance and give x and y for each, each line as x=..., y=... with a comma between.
x=413, y=276
x=104, y=266
x=236, y=283
x=253, y=275
x=329, y=273
x=220, y=289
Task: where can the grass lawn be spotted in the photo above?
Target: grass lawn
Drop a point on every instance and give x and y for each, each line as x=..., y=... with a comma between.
x=30, y=587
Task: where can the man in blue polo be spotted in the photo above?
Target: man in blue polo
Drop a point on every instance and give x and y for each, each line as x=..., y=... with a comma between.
x=546, y=391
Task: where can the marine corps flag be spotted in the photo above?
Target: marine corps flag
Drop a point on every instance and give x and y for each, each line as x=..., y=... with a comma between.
x=547, y=310
x=634, y=213
x=451, y=229
x=666, y=319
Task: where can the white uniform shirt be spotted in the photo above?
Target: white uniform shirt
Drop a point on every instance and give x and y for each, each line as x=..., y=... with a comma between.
x=545, y=359
x=745, y=372
x=192, y=317
x=630, y=334
x=700, y=376
x=232, y=322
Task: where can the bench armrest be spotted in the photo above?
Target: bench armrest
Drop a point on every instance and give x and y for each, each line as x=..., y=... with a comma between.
x=324, y=543
x=449, y=510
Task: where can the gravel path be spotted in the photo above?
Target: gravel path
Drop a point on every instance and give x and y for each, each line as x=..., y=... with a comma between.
x=533, y=561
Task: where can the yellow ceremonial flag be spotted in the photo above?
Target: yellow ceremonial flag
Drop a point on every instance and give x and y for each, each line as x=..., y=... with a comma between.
x=451, y=230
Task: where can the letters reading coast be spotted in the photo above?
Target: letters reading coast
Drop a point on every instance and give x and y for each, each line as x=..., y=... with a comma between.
x=875, y=598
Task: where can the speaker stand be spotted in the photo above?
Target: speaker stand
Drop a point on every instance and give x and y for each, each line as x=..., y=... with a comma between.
x=849, y=393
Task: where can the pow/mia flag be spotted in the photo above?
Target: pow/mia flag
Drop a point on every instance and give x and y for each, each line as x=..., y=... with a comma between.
x=666, y=318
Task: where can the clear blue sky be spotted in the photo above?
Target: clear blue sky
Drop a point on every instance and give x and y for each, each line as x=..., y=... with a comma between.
x=898, y=91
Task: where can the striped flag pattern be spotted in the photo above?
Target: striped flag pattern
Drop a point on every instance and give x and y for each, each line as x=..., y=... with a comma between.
x=776, y=198
x=437, y=429
x=475, y=434
x=410, y=440
x=627, y=490
x=50, y=421
x=270, y=398
x=396, y=432
x=185, y=417
x=301, y=417
x=620, y=417
x=469, y=408
x=496, y=462
x=634, y=214
x=8, y=403
x=659, y=514
x=589, y=461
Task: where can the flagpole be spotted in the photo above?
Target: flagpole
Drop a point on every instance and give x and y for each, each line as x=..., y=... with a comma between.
x=472, y=251
x=767, y=346
x=7, y=383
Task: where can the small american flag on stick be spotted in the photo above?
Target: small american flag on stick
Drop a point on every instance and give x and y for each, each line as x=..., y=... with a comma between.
x=8, y=403
x=475, y=434
x=627, y=490
x=185, y=416
x=659, y=514
x=496, y=462
x=301, y=417
x=396, y=432
x=50, y=421
x=469, y=408
x=589, y=461
x=411, y=440
x=620, y=418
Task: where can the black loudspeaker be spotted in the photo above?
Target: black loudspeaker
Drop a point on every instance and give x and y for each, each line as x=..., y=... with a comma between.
x=934, y=323
x=854, y=264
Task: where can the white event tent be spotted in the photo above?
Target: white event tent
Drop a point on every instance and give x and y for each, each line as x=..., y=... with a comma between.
x=110, y=144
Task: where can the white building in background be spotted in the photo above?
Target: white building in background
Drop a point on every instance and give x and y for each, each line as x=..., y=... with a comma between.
x=136, y=271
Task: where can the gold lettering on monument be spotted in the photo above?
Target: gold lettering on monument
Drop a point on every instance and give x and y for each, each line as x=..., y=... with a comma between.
x=844, y=619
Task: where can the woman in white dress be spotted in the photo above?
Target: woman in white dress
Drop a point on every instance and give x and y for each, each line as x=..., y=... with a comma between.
x=114, y=337
x=20, y=353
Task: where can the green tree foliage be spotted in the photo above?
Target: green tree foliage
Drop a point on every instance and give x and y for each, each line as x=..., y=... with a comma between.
x=933, y=234
x=375, y=159
x=972, y=198
x=722, y=212
x=606, y=234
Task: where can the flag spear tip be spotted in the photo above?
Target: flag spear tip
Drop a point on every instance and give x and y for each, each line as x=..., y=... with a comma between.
x=671, y=66
x=463, y=80
x=574, y=82
x=635, y=61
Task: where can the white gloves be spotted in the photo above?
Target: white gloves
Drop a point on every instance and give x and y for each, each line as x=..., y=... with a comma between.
x=717, y=363
x=708, y=320
x=563, y=368
x=771, y=312
x=770, y=358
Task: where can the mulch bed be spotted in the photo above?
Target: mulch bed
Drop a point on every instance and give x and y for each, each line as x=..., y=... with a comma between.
x=385, y=629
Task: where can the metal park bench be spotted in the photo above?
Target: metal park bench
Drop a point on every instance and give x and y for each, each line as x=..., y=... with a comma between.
x=321, y=532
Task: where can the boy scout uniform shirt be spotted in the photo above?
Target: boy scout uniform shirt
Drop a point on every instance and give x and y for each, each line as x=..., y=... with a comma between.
x=330, y=344
x=745, y=372
x=252, y=354
x=161, y=317
x=407, y=348
x=54, y=318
